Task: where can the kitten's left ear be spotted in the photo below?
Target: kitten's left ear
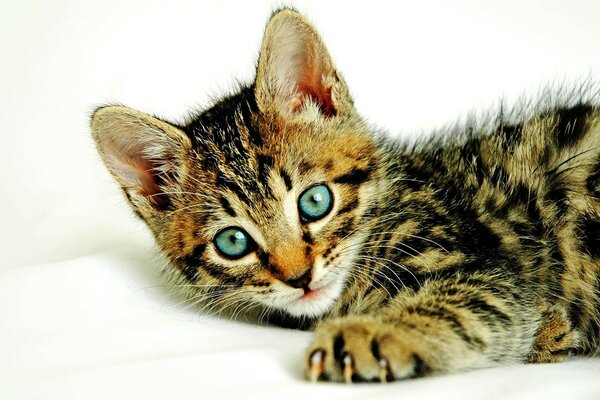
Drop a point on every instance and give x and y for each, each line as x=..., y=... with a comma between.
x=296, y=71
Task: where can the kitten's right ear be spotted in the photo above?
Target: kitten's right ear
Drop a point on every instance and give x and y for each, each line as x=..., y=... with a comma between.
x=144, y=154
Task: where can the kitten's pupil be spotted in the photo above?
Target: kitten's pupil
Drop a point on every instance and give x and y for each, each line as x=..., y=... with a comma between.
x=232, y=243
x=315, y=203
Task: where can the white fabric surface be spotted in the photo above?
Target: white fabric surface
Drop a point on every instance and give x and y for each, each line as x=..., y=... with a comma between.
x=84, y=312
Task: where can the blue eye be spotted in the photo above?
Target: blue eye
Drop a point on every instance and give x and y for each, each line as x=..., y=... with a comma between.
x=315, y=203
x=233, y=243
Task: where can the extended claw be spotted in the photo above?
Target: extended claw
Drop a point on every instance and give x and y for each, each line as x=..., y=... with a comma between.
x=383, y=370
x=348, y=368
x=317, y=365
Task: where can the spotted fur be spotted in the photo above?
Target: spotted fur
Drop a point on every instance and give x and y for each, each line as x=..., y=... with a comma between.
x=475, y=249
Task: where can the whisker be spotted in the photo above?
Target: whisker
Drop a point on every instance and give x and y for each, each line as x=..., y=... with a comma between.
x=381, y=261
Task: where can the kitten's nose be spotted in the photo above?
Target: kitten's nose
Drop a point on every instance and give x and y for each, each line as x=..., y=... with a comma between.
x=301, y=282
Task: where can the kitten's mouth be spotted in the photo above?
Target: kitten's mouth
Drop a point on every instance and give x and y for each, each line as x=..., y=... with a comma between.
x=313, y=300
x=314, y=293
x=311, y=293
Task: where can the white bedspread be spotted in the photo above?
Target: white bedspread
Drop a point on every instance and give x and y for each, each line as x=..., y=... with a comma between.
x=101, y=327
x=84, y=311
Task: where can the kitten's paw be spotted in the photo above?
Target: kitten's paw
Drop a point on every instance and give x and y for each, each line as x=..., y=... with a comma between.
x=362, y=349
x=555, y=339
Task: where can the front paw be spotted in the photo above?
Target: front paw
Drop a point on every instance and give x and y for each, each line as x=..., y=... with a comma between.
x=363, y=349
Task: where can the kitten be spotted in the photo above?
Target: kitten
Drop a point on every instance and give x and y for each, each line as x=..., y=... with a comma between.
x=410, y=261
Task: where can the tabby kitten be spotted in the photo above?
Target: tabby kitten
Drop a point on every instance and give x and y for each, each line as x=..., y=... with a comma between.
x=410, y=261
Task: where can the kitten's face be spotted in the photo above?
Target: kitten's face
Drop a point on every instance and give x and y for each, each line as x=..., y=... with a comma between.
x=279, y=220
x=262, y=198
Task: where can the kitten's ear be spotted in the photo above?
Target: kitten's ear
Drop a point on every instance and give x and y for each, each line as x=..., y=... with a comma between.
x=296, y=71
x=143, y=153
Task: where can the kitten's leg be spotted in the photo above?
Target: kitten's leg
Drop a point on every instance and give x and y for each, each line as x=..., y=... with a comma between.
x=445, y=327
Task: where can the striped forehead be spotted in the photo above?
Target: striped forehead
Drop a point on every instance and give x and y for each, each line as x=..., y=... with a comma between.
x=246, y=169
x=232, y=153
x=226, y=133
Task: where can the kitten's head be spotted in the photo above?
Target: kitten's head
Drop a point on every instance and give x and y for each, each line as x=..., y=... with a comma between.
x=263, y=197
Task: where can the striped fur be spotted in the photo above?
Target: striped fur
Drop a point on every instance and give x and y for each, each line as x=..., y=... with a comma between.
x=478, y=249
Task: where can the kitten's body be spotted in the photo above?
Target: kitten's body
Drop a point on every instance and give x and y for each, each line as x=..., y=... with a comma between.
x=470, y=252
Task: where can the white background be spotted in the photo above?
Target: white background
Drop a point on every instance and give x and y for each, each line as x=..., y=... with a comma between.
x=83, y=310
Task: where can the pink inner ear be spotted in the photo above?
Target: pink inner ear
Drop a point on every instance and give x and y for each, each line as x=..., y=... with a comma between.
x=139, y=174
x=318, y=94
x=310, y=86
